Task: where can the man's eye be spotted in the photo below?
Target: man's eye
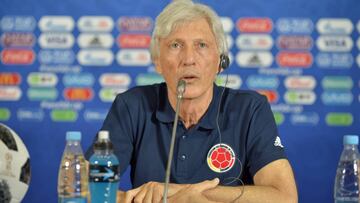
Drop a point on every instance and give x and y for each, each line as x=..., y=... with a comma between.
x=202, y=45
x=175, y=45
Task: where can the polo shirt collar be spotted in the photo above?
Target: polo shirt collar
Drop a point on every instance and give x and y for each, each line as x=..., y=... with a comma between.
x=165, y=113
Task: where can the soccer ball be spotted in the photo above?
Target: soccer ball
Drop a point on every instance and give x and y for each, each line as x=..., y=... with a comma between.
x=14, y=166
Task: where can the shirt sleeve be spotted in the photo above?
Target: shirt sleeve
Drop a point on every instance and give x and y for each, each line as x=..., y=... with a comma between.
x=118, y=123
x=264, y=145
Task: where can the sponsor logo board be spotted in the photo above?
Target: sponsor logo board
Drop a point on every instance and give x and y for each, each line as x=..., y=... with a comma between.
x=95, y=24
x=56, y=24
x=334, y=26
x=294, y=25
x=254, y=59
x=254, y=42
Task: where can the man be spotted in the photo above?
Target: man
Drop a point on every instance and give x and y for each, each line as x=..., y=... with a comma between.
x=227, y=146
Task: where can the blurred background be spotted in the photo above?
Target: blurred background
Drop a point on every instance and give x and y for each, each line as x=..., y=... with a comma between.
x=63, y=62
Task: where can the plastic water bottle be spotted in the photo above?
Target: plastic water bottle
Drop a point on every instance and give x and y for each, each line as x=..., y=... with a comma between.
x=73, y=175
x=346, y=189
x=104, y=171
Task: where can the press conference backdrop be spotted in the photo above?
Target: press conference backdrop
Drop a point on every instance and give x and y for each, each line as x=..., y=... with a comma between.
x=63, y=62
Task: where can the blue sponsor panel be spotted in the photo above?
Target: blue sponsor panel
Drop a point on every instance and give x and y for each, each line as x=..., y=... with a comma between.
x=305, y=119
x=56, y=56
x=78, y=79
x=30, y=114
x=334, y=60
x=95, y=115
x=337, y=98
x=18, y=23
x=262, y=82
x=294, y=25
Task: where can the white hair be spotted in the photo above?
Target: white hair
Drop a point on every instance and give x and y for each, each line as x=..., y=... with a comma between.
x=180, y=11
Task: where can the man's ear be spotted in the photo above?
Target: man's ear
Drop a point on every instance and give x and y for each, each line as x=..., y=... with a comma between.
x=158, y=68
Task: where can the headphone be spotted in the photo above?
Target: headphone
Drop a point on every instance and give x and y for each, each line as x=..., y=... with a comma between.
x=224, y=62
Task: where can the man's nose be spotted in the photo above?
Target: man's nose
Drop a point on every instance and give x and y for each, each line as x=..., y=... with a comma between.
x=188, y=56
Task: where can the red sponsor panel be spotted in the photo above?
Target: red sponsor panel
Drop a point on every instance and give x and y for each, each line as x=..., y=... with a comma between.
x=78, y=94
x=17, y=56
x=257, y=25
x=133, y=41
x=271, y=96
x=294, y=59
x=10, y=79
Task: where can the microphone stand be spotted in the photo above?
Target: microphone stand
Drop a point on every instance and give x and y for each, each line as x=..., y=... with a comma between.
x=180, y=92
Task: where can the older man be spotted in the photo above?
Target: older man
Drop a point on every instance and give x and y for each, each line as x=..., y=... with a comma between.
x=227, y=145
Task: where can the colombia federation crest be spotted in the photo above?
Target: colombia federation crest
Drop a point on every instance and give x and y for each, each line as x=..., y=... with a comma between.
x=221, y=158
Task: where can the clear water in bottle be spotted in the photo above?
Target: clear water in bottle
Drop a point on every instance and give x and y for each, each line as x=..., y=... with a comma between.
x=346, y=188
x=73, y=176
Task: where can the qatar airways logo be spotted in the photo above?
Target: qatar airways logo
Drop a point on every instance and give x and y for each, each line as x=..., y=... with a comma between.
x=294, y=42
x=95, y=24
x=56, y=24
x=300, y=82
x=334, y=26
x=95, y=40
x=135, y=24
x=17, y=39
x=133, y=40
x=10, y=79
x=256, y=25
x=294, y=59
x=254, y=41
x=17, y=56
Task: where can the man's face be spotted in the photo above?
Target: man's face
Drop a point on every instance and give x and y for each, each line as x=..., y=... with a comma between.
x=189, y=53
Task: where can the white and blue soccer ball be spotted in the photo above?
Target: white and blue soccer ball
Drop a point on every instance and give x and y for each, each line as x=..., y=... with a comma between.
x=14, y=166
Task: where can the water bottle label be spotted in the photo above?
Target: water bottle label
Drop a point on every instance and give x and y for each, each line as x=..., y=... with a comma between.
x=101, y=173
x=72, y=200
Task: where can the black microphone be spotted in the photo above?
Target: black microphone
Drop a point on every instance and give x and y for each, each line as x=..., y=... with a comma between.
x=179, y=92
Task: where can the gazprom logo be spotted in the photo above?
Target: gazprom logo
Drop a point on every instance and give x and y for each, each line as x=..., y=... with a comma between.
x=337, y=98
x=334, y=60
x=334, y=43
x=254, y=42
x=254, y=59
x=337, y=82
x=30, y=114
x=227, y=24
x=56, y=24
x=56, y=40
x=56, y=56
x=300, y=97
x=133, y=57
x=95, y=57
x=262, y=82
x=78, y=79
x=334, y=26
x=305, y=119
x=95, y=24
x=294, y=25
x=18, y=23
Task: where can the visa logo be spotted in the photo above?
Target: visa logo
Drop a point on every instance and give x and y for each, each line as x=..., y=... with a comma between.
x=18, y=23
x=334, y=60
x=305, y=119
x=30, y=114
x=334, y=26
x=262, y=82
x=56, y=40
x=95, y=57
x=294, y=25
x=337, y=98
x=95, y=24
x=10, y=78
x=78, y=79
x=56, y=24
x=334, y=43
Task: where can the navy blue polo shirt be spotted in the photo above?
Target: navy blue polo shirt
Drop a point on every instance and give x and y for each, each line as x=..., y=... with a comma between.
x=141, y=119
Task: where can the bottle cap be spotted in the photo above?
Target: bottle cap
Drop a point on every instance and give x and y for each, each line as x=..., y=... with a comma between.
x=103, y=135
x=351, y=139
x=73, y=135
